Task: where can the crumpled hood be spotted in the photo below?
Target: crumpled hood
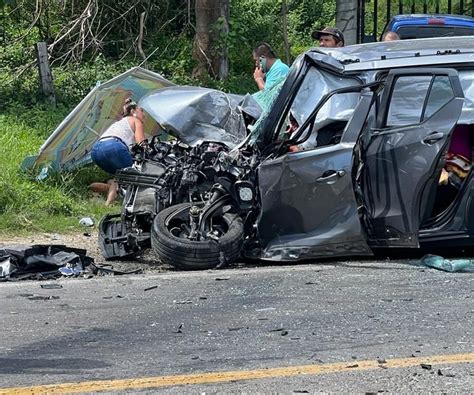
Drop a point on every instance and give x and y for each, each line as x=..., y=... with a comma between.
x=195, y=114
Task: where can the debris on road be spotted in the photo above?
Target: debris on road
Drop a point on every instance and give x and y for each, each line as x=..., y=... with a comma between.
x=51, y=286
x=178, y=330
x=40, y=297
x=86, y=221
x=150, y=288
x=41, y=261
x=276, y=330
x=426, y=366
x=447, y=265
x=440, y=373
x=48, y=262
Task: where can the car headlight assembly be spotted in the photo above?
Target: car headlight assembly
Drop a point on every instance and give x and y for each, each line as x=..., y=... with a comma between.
x=245, y=194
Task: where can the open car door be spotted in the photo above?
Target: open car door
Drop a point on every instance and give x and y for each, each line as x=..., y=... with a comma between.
x=403, y=155
x=309, y=208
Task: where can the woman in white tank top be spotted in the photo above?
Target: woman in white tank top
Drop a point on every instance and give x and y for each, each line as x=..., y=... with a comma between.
x=111, y=152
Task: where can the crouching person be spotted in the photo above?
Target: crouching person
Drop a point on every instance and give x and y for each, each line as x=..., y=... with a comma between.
x=111, y=152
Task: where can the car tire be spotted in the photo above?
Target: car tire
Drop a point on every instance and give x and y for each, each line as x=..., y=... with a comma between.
x=187, y=254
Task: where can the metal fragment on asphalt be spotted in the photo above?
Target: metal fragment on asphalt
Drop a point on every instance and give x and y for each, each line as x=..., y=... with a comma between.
x=51, y=286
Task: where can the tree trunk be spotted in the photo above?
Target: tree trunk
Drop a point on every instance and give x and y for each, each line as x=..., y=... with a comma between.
x=211, y=54
x=284, y=12
x=346, y=19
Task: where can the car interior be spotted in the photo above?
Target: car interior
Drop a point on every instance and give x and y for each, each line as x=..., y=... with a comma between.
x=457, y=165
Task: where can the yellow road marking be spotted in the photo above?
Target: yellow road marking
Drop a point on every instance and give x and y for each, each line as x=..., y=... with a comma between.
x=219, y=377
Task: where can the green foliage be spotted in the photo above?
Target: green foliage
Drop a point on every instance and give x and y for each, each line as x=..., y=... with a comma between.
x=26, y=204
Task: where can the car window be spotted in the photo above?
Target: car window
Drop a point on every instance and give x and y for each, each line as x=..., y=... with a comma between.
x=407, y=100
x=410, y=32
x=441, y=93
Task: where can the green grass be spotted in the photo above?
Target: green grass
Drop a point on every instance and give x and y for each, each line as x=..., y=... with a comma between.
x=54, y=205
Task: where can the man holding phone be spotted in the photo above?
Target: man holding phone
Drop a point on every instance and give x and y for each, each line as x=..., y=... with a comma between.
x=268, y=69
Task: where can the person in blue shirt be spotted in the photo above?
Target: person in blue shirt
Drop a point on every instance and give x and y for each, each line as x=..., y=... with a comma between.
x=268, y=69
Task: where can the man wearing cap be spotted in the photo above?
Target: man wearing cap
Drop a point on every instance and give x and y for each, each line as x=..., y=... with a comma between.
x=329, y=37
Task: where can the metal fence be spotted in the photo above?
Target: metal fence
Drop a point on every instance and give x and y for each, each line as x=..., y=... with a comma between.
x=373, y=15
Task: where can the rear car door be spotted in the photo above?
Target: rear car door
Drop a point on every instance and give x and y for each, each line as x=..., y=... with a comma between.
x=403, y=155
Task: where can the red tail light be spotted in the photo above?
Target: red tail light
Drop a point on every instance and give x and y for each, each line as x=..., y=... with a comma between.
x=436, y=21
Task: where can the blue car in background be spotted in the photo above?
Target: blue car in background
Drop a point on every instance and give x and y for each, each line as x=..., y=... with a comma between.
x=426, y=26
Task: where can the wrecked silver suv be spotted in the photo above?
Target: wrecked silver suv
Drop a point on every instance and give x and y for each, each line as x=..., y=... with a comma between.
x=365, y=147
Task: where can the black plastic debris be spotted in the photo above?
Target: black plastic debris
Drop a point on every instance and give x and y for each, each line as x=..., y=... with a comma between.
x=150, y=288
x=426, y=366
x=40, y=297
x=51, y=286
x=178, y=330
x=107, y=270
x=41, y=262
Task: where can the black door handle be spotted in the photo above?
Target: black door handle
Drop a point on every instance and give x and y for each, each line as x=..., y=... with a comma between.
x=433, y=138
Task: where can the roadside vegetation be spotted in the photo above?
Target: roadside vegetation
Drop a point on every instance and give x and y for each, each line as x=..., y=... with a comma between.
x=27, y=205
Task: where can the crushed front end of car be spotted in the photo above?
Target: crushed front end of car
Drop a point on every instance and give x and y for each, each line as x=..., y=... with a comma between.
x=181, y=169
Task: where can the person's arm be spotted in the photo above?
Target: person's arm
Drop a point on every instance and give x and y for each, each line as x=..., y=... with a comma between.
x=258, y=76
x=139, y=132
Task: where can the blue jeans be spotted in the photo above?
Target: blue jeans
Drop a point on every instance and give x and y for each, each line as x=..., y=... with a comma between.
x=111, y=154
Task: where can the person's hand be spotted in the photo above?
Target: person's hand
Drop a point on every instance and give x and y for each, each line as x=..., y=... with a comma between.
x=258, y=74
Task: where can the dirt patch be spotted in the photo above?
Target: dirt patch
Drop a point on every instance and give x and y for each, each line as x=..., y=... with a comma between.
x=147, y=262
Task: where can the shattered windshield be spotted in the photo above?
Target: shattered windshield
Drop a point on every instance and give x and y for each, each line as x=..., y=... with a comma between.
x=316, y=84
x=265, y=99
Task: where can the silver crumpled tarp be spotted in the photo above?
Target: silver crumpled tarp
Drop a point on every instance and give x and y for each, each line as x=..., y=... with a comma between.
x=195, y=114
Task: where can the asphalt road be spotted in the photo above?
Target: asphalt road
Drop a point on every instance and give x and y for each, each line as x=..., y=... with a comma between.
x=361, y=326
